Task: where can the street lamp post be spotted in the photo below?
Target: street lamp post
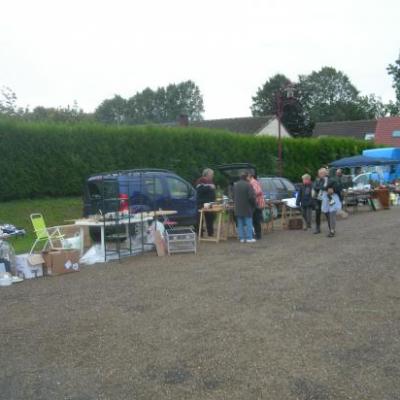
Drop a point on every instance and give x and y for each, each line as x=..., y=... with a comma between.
x=283, y=96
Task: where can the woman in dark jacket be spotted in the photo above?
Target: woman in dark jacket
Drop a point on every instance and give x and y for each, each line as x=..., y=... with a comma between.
x=305, y=200
x=206, y=194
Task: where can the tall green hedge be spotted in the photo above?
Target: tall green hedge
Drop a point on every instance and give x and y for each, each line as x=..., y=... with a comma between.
x=44, y=159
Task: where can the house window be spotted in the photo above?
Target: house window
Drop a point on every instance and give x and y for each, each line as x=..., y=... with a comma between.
x=369, y=136
x=396, y=134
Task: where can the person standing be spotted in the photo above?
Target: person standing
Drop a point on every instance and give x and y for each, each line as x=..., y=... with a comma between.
x=339, y=186
x=205, y=189
x=305, y=200
x=245, y=202
x=319, y=187
x=260, y=205
x=330, y=206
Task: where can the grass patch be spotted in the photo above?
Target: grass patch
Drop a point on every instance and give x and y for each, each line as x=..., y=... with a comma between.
x=54, y=210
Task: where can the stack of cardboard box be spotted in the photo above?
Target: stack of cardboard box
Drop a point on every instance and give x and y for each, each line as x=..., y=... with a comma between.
x=49, y=263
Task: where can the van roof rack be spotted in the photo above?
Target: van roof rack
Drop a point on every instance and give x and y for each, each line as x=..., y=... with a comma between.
x=127, y=172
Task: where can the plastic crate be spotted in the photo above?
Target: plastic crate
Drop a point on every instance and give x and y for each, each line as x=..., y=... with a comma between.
x=180, y=240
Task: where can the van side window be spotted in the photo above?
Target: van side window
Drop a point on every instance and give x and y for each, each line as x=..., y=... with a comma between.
x=153, y=186
x=177, y=188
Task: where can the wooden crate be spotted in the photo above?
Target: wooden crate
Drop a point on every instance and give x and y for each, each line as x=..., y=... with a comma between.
x=295, y=223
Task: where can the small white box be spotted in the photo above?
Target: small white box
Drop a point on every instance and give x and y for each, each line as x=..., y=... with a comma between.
x=29, y=266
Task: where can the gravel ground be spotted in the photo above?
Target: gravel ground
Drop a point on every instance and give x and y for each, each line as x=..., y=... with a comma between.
x=293, y=316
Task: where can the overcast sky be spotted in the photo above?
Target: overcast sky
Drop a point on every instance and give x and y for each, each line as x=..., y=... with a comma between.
x=53, y=52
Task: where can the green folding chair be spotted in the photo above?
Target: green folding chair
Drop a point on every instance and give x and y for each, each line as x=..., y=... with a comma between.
x=43, y=234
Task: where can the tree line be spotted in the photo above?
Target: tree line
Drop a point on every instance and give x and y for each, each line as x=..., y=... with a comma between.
x=162, y=105
x=326, y=95
x=321, y=96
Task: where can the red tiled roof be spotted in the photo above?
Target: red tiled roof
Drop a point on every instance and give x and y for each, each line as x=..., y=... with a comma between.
x=384, y=131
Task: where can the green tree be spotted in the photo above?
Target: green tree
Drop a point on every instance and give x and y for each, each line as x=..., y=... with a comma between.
x=9, y=107
x=8, y=102
x=329, y=95
x=294, y=117
x=154, y=106
x=394, y=71
x=325, y=95
x=147, y=106
x=61, y=114
x=372, y=106
x=264, y=102
x=112, y=111
x=393, y=108
x=183, y=98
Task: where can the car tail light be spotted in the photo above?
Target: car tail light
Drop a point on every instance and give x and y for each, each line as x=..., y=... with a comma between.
x=123, y=202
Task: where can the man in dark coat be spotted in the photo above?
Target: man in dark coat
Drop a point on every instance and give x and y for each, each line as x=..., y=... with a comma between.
x=206, y=194
x=338, y=184
x=245, y=203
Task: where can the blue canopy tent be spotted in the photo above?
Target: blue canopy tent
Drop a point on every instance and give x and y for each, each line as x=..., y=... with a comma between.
x=361, y=161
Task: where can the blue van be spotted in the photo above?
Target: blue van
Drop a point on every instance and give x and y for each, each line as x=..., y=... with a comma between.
x=141, y=190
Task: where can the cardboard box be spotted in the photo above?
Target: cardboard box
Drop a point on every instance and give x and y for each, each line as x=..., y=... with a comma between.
x=58, y=262
x=160, y=244
x=29, y=266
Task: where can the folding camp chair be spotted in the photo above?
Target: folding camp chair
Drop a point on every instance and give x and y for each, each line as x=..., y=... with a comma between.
x=44, y=234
